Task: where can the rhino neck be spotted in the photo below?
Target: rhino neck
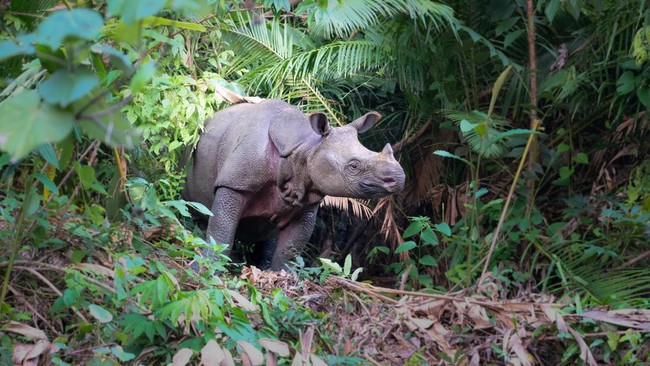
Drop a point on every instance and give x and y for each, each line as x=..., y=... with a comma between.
x=294, y=182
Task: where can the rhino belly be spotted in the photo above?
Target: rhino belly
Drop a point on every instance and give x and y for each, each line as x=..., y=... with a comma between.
x=254, y=229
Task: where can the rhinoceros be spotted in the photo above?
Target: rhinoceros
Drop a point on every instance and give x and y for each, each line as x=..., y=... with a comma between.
x=264, y=168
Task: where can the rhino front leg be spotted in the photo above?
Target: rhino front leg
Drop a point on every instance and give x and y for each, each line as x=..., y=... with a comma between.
x=226, y=210
x=294, y=237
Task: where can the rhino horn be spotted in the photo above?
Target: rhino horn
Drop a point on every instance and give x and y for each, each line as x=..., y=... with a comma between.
x=387, y=151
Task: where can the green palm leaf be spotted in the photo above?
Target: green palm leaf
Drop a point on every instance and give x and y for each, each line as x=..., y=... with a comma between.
x=342, y=18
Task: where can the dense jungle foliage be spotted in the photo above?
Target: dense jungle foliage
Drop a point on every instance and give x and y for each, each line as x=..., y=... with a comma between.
x=522, y=236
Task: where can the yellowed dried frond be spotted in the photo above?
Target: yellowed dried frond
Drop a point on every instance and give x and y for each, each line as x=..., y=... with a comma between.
x=389, y=226
x=359, y=207
x=425, y=179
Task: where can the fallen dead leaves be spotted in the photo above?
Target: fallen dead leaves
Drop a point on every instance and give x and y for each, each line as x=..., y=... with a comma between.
x=387, y=326
x=393, y=327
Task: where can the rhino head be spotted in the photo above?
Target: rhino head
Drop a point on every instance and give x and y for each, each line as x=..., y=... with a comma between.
x=341, y=166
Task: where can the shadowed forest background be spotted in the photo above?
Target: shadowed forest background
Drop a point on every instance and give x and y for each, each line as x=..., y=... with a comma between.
x=522, y=236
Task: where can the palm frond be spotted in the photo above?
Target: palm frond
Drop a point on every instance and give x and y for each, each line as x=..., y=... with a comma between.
x=342, y=18
x=329, y=62
x=256, y=44
x=358, y=207
x=590, y=275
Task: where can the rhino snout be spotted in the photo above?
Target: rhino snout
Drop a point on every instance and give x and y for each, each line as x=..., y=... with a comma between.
x=393, y=181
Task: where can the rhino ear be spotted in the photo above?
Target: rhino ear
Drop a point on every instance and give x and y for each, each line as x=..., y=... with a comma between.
x=365, y=122
x=319, y=123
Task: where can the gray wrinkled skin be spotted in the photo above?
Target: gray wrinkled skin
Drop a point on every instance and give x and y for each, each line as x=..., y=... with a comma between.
x=263, y=169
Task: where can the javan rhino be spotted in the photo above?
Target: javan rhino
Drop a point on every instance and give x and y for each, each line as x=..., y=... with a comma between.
x=264, y=168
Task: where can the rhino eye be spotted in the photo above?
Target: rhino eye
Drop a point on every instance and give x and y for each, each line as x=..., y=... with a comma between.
x=353, y=167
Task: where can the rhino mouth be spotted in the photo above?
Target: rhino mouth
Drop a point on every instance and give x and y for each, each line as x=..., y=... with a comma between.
x=381, y=187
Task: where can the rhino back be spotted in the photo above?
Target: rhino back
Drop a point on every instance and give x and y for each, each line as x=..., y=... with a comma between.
x=237, y=148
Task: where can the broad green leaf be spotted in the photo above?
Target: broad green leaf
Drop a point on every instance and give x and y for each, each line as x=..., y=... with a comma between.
x=23, y=46
x=115, y=55
x=429, y=237
x=87, y=177
x=347, y=265
x=511, y=37
x=565, y=172
x=644, y=95
x=65, y=87
x=581, y=158
x=514, y=132
x=134, y=10
x=48, y=153
x=443, y=228
x=625, y=83
x=192, y=8
x=118, y=351
x=505, y=25
x=25, y=123
x=47, y=183
x=412, y=229
x=332, y=266
x=155, y=21
x=406, y=246
x=356, y=273
x=112, y=129
x=497, y=87
x=200, y=207
x=428, y=260
x=467, y=126
x=551, y=9
x=143, y=76
x=64, y=24
x=447, y=154
x=573, y=7
x=99, y=313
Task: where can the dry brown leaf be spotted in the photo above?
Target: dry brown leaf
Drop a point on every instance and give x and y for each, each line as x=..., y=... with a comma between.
x=423, y=324
x=212, y=354
x=585, y=352
x=278, y=347
x=228, y=359
x=629, y=318
x=182, y=357
x=28, y=354
x=242, y=301
x=271, y=359
x=255, y=356
x=298, y=360
x=513, y=343
x=479, y=316
x=26, y=330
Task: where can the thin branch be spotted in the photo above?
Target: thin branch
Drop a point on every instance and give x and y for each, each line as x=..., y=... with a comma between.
x=511, y=193
x=35, y=312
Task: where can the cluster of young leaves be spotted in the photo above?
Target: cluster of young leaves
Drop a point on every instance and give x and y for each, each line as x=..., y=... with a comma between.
x=79, y=58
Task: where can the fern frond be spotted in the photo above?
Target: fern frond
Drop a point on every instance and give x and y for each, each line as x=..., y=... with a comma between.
x=485, y=144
